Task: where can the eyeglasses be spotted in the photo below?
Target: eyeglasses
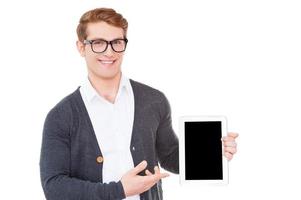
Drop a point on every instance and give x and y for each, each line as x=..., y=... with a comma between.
x=100, y=45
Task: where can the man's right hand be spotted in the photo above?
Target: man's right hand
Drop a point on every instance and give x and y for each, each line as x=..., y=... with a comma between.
x=134, y=184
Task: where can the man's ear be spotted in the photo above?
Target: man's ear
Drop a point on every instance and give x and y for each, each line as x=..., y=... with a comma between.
x=81, y=48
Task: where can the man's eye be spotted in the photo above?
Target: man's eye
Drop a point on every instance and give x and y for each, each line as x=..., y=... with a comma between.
x=99, y=42
x=117, y=42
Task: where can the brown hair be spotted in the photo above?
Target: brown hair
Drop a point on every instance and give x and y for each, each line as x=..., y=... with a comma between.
x=107, y=15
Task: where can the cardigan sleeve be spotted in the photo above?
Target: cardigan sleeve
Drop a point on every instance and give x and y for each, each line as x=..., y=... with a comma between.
x=55, y=165
x=167, y=144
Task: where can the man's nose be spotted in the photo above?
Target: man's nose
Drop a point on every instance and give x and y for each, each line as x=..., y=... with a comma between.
x=109, y=51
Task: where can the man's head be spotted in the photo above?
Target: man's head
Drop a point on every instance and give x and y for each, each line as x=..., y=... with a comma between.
x=101, y=41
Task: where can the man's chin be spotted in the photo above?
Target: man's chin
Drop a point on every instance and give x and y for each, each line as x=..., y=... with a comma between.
x=108, y=76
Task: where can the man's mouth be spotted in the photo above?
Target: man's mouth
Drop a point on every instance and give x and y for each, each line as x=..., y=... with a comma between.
x=106, y=62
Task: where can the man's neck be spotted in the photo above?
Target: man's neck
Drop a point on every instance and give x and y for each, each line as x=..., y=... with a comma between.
x=107, y=88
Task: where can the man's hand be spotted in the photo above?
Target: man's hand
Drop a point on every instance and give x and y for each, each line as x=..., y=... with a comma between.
x=230, y=145
x=135, y=184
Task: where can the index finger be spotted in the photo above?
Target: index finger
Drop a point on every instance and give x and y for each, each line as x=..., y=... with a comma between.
x=139, y=168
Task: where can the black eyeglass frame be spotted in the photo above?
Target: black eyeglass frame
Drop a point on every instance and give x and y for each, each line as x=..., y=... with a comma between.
x=107, y=42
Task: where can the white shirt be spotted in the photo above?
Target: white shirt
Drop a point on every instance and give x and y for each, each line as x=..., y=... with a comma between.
x=112, y=124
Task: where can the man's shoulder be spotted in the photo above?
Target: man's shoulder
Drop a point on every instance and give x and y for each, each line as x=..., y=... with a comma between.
x=148, y=96
x=68, y=100
x=146, y=91
x=64, y=106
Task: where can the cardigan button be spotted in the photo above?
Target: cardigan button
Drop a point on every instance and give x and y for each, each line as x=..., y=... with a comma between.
x=99, y=159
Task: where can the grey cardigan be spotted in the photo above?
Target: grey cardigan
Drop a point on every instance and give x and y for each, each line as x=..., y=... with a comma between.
x=68, y=163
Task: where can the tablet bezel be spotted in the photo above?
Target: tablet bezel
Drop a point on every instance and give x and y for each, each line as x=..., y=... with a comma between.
x=204, y=118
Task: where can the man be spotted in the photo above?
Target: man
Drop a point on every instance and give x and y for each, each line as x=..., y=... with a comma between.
x=105, y=140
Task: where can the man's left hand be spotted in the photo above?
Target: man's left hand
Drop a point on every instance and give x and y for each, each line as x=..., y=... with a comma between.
x=230, y=146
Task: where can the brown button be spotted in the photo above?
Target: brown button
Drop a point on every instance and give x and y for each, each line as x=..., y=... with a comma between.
x=99, y=159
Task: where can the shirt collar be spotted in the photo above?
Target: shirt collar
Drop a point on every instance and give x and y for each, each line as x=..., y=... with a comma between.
x=91, y=93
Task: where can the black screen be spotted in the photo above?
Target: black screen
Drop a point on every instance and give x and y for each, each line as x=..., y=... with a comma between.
x=203, y=150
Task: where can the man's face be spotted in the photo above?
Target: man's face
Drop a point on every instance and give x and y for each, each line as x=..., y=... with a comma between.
x=106, y=65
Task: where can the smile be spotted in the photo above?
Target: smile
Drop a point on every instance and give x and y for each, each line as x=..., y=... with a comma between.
x=106, y=61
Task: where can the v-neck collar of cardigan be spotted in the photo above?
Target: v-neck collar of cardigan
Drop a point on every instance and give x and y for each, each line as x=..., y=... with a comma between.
x=136, y=147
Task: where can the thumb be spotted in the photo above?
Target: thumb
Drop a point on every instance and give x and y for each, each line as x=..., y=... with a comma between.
x=140, y=167
x=232, y=134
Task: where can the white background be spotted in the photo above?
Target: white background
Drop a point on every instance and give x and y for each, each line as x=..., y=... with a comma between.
x=235, y=58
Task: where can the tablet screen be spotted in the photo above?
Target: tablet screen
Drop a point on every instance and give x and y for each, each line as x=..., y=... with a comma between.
x=203, y=150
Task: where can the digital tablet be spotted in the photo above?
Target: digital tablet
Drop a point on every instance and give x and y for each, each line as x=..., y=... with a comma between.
x=201, y=150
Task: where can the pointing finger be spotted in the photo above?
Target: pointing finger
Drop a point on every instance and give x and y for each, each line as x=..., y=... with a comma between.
x=140, y=167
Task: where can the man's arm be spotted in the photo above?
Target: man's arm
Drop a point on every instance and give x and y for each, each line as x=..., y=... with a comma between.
x=55, y=166
x=167, y=144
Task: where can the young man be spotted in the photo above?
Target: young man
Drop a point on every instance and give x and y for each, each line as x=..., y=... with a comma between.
x=105, y=140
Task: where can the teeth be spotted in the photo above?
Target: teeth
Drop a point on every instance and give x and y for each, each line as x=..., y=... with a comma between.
x=106, y=61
